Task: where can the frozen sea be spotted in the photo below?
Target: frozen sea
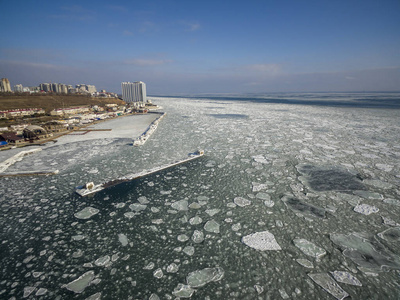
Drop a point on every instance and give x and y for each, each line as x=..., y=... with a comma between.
x=296, y=197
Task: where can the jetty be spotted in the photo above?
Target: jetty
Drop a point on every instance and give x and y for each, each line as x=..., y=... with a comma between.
x=91, y=188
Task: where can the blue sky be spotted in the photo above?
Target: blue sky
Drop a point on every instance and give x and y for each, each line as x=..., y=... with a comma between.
x=181, y=47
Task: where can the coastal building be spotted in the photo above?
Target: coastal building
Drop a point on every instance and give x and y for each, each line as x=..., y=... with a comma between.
x=18, y=88
x=5, y=85
x=134, y=92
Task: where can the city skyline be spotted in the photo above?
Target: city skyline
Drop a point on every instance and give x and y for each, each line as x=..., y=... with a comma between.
x=191, y=48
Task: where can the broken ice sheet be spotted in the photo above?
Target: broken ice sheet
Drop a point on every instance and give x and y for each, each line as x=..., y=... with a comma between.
x=329, y=178
x=262, y=241
x=328, y=284
x=200, y=278
x=304, y=208
x=240, y=201
x=79, y=284
x=86, y=213
x=309, y=248
x=366, y=251
x=366, y=209
x=346, y=277
x=183, y=291
x=212, y=226
x=181, y=205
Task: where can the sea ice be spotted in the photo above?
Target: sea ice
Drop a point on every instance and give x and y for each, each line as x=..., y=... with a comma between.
x=79, y=284
x=200, y=278
x=28, y=290
x=212, y=226
x=183, y=291
x=366, y=209
x=86, y=213
x=240, y=201
x=188, y=250
x=96, y=296
x=262, y=241
x=137, y=207
x=212, y=212
x=329, y=285
x=102, y=260
x=346, y=277
x=158, y=273
x=195, y=220
x=41, y=292
x=304, y=208
x=361, y=249
x=198, y=236
x=172, y=268
x=182, y=238
x=123, y=239
x=180, y=205
x=309, y=248
x=305, y=263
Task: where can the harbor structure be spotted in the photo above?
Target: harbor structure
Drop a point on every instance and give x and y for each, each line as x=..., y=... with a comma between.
x=134, y=93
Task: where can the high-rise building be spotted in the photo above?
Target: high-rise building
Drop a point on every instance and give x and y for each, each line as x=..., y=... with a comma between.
x=18, y=88
x=5, y=85
x=134, y=92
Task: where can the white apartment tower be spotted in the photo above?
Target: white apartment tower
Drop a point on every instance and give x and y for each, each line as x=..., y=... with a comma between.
x=134, y=92
x=5, y=85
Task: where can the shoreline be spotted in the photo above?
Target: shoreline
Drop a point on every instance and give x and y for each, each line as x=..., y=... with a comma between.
x=133, y=130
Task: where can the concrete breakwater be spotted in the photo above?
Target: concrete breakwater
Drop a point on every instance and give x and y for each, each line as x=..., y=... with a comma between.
x=149, y=131
x=18, y=157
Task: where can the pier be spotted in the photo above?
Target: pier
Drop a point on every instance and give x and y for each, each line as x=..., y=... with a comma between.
x=91, y=188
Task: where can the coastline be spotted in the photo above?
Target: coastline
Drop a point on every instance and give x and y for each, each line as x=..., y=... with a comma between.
x=116, y=128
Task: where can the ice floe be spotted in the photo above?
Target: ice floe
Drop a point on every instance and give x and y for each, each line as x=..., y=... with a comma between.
x=86, y=213
x=240, y=201
x=200, y=278
x=303, y=208
x=79, y=284
x=366, y=209
x=262, y=241
x=212, y=226
x=346, y=277
x=309, y=248
x=329, y=285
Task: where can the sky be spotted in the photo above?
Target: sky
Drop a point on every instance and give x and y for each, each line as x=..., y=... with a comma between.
x=197, y=47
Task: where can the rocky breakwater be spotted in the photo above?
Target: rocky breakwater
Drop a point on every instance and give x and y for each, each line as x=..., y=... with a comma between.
x=149, y=131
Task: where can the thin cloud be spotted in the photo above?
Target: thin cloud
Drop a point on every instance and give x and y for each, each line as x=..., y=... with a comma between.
x=75, y=12
x=147, y=62
x=268, y=69
x=191, y=26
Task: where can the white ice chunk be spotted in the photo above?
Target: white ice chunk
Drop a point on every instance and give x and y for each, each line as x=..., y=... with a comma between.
x=137, y=207
x=329, y=285
x=346, y=277
x=211, y=226
x=181, y=205
x=188, y=250
x=195, y=220
x=158, y=273
x=262, y=241
x=86, y=213
x=305, y=263
x=183, y=291
x=240, y=201
x=366, y=209
x=183, y=237
x=79, y=284
x=198, y=236
x=123, y=239
x=212, y=212
x=200, y=278
x=102, y=260
x=309, y=248
x=173, y=268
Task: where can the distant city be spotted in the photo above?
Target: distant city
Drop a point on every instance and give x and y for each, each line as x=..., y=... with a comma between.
x=58, y=88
